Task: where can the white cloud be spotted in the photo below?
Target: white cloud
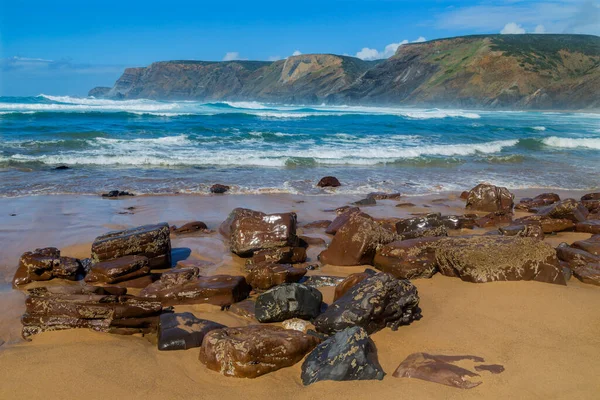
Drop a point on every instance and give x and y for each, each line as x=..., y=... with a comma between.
x=296, y=53
x=368, y=54
x=420, y=39
x=373, y=54
x=274, y=58
x=539, y=29
x=512, y=28
x=231, y=56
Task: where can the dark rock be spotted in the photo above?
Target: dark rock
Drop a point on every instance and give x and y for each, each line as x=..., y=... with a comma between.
x=408, y=259
x=151, y=241
x=113, y=194
x=190, y=227
x=428, y=221
x=464, y=195
x=252, y=351
x=220, y=290
x=589, y=273
x=494, y=219
x=493, y=368
x=438, y=369
x=591, y=226
x=219, y=189
x=591, y=196
x=498, y=258
x=490, y=198
x=313, y=241
x=323, y=223
x=591, y=245
x=183, y=331
x=118, y=270
x=534, y=231
x=45, y=264
x=569, y=209
x=251, y=231
x=281, y=255
x=342, y=219
x=406, y=205
x=377, y=302
x=349, y=355
x=384, y=196
x=266, y=275
x=593, y=206
x=466, y=221
x=288, y=300
x=540, y=200
x=62, y=168
x=244, y=308
x=549, y=225
x=575, y=256
x=369, y=201
x=356, y=241
x=329, y=181
x=351, y=281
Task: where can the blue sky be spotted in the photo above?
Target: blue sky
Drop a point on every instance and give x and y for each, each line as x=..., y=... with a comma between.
x=68, y=47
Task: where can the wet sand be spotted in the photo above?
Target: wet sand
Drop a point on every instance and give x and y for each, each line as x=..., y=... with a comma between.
x=546, y=336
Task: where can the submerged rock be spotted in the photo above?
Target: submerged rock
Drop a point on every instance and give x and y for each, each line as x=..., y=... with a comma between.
x=288, y=300
x=490, y=198
x=252, y=351
x=349, y=355
x=375, y=303
x=183, y=331
x=114, y=194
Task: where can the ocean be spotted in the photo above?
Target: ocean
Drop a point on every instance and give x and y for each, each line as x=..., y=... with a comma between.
x=159, y=147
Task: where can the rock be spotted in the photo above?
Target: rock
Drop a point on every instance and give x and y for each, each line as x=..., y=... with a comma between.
x=593, y=206
x=313, y=241
x=384, y=196
x=575, y=256
x=62, y=168
x=281, y=255
x=467, y=221
x=118, y=270
x=183, y=331
x=356, y=241
x=251, y=231
x=295, y=324
x=342, y=219
x=591, y=226
x=151, y=241
x=540, y=200
x=329, y=181
x=219, y=189
x=349, y=355
x=351, y=281
x=288, y=300
x=252, y=351
x=220, y=290
x=498, y=258
x=369, y=201
x=322, y=223
x=490, y=198
x=322, y=280
x=114, y=194
x=46, y=264
x=589, y=273
x=408, y=259
x=591, y=245
x=591, y=196
x=82, y=307
x=464, y=195
x=569, y=209
x=375, y=303
x=190, y=227
x=438, y=369
x=534, y=231
x=179, y=276
x=265, y=275
x=494, y=219
x=405, y=205
x=549, y=225
x=244, y=308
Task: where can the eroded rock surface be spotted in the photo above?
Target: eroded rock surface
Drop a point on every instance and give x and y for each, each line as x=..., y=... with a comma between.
x=408, y=259
x=290, y=300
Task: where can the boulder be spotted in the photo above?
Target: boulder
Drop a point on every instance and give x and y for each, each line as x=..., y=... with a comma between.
x=190, y=227
x=591, y=226
x=266, y=275
x=252, y=351
x=408, y=259
x=118, y=270
x=570, y=209
x=251, y=231
x=183, y=331
x=549, y=225
x=540, y=200
x=342, y=219
x=534, y=231
x=494, y=219
x=45, y=264
x=281, y=255
x=498, y=258
x=438, y=369
x=217, y=188
x=329, y=181
x=350, y=281
x=349, y=355
x=288, y=300
x=355, y=243
x=490, y=198
x=375, y=303
x=151, y=241
x=220, y=290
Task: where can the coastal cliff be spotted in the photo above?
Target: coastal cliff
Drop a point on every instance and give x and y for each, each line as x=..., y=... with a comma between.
x=484, y=71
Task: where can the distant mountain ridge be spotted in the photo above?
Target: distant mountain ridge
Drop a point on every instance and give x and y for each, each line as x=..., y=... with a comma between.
x=483, y=71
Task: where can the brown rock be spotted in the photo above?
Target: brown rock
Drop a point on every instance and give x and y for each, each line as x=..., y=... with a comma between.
x=220, y=290
x=534, y=231
x=190, y=227
x=591, y=245
x=342, y=219
x=217, y=188
x=591, y=196
x=494, y=219
x=540, y=200
x=569, y=209
x=589, y=273
x=183, y=331
x=313, y=241
x=245, y=308
x=329, y=181
x=575, y=256
x=45, y=264
x=484, y=197
x=252, y=351
x=498, y=258
x=593, y=206
x=119, y=269
x=151, y=241
x=403, y=205
x=464, y=195
x=591, y=226
x=356, y=241
x=179, y=276
x=408, y=259
x=549, y=225
x=281, y=255
x=266, y=275
x=351, y=281
x=322, y=223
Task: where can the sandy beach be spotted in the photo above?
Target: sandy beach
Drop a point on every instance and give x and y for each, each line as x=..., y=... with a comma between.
x=545, y=336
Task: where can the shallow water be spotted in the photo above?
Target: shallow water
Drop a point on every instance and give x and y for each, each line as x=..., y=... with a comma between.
x=184, y=147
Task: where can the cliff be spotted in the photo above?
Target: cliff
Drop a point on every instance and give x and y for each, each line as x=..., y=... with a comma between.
x=486, y=71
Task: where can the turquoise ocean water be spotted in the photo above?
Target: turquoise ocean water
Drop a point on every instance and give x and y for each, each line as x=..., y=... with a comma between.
x=149, y=146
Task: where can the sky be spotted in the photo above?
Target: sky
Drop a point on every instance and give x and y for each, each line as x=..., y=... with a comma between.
x=66, y=47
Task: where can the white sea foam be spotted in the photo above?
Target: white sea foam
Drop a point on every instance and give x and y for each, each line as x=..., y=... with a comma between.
x=571, y=143
x=539, y=128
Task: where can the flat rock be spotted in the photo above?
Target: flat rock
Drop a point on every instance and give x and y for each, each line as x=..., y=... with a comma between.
x=266, y=275
x=118, y=270
x=534, y=231
x=252, y=351
x=548, y=224
x=280, y=255
x=288, y=300
x=408, y=259
x=591, y=245
x=570, y=209
x=183, y=331
x=494, y=219
x=349, y=355
x=591, y=226
x=540, y=200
